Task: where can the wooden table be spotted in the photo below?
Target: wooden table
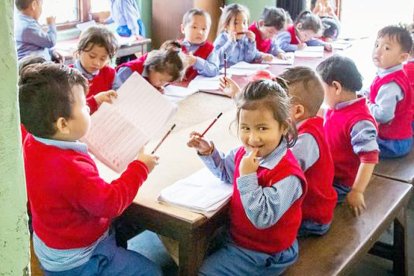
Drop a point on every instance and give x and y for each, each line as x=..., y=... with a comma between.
x=401, y=169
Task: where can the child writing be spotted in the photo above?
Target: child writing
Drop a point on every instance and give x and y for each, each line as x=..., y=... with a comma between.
x=311, y=150
x=265, y=176
x=234, y=39
x=302, y=33
x=201, y=58
x=272, y=21
x=350, y=130
x=29, y=35
x=325, y=10
x=158, y=67
x=96, y=46
x=72, y=207
x=390, y=96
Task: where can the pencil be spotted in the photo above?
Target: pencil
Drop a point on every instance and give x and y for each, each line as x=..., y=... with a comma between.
x=212, y=123
x=225, y=68
x=163, y=138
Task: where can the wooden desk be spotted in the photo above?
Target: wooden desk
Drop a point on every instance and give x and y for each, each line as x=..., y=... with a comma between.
x=401, y=169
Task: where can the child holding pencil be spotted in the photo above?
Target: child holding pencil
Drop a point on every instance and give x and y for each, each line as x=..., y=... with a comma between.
x=265, y=176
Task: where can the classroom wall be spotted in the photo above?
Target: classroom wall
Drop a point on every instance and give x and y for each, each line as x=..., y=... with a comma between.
x=255, y=7
x=14, y=236
x=146, y=14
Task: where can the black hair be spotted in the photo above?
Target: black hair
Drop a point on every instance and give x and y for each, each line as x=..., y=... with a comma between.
x=98, y=35
x=400, y=33
x=274, y=17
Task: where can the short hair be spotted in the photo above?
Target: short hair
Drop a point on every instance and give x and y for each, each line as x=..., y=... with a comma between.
x=274, y=17
x=341, y=69
x=400, y=34
x=309, y=21
x=193, y=12
x=23, y=4
x=28, y=60
x=229, y=12
x=168, y=60
x=98, y=35
x=45, y=95
x=305, y=88
x=269, y=94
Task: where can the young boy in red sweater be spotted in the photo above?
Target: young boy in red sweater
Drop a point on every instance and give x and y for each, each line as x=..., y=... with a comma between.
x=350, y=130
x=311, y=150
x=72, y=207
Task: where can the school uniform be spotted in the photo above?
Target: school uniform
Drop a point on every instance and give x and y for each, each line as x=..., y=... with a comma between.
x=351, y=133
x=207, y=60
x=31, y=39
x=312, y=152
x=125, y=70
x=265, y=45
x=240, y=50
x=260, y=243
x=288, y=40
x=72, y=209
x=409, y=71
x=391, y=105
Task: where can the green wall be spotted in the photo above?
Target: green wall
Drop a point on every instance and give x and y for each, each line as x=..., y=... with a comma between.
x=255, y=7
x=14, y=235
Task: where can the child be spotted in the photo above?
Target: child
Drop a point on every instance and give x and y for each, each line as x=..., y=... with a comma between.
x=234, y=39
x=311, y=150
x=325, y=10
x=390, y=96
x=409, y=66
x=158, y=67
x=268, y=186
x=72, y=207
x=200, y=56
x=301, y=34
x=350, y=130
x=96, y=46
x=126, y=15
x=272, y=21
x=29, y=35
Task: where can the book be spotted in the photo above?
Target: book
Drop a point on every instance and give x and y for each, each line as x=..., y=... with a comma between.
x=208, y=85
x=277, y=61
x=119, y=130
x=200, y=192
x=311, y=52
x=175, y=93
x=243, y=68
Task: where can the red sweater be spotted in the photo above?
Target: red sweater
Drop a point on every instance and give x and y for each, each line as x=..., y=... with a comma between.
x=338, y=125
x=320, y=200
x=136, y=65
x=71, y=205
x=409, y=71
x=294, y=37
x=279, y=236
x=203, y=52
x=400, y=126
x=263, y=45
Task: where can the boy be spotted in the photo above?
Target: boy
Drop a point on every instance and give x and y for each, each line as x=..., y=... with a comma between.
x=272, y=21
x=29, y=35
x=390, y=96
x=201, y=58
x=71, y=206
x=350, y=130
x=311, y=150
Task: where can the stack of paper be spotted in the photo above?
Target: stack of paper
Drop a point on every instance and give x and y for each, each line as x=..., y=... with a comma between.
x=200, y=192
x=244, y=69
x=290, y=59
x=176, y=93
x=310, y=51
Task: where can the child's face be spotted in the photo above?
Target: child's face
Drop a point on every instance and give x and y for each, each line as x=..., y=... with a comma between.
x=267, y=32
x=387, y=53
x=258, y=129
x=238, y=24
x=158, y=79
x=94, y=59
x=306, y=35
x=196, y=31
x=78, y=124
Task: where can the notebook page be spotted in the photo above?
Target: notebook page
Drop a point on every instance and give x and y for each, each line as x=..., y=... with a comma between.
x=310, y=51
x=176, y=93
x=288, y=61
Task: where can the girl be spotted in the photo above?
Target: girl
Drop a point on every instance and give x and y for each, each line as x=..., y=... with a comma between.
x=97, y=45
x=301, y=34
x=234, y=38
x=325, y=10
x=265, y=176
x=159, y=67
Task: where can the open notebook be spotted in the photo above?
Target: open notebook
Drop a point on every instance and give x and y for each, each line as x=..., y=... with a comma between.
x=290, y=59
x=201, y=192
x=311, y=52
x=119, y=130
x=243, y=68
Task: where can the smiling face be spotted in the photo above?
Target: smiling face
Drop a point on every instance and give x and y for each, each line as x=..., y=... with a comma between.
x=196, y=30
x=94, y=59
x=387, y=52
x=258, y=129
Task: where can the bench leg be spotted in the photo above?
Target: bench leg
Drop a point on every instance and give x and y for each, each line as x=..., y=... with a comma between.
x=400, y=249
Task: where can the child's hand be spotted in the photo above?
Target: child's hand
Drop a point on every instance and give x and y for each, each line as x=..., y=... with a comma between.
x=190, y=59
x=249, y=164
x=282, y=56
x=302, y=46
x=51, y=20
x=106, y=96
x=328, y=47
x=229, y=86
x=251, y=36
x=267, y=57
x=356, y=201
x=58, y=57
x=148, y=159
x=202, y=146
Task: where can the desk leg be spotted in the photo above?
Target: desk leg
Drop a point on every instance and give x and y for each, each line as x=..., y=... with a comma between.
x=191, y=254
x=400, y=249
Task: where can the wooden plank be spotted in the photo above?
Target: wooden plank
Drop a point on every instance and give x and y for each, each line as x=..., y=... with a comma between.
x=400, y=169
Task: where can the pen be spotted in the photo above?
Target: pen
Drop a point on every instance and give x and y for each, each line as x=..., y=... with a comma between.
x=163, y=138
x=225, y=68
x=212, y=123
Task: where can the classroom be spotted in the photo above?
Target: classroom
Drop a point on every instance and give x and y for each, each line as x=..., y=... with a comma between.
x=207, y=137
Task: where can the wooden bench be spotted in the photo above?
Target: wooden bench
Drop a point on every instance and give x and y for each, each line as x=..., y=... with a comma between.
x=401, y=169
x=350, y=238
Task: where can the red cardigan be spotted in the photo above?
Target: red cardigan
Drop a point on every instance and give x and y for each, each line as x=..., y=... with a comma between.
x=71, y=205
x=263, y=45
x=203, y=52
